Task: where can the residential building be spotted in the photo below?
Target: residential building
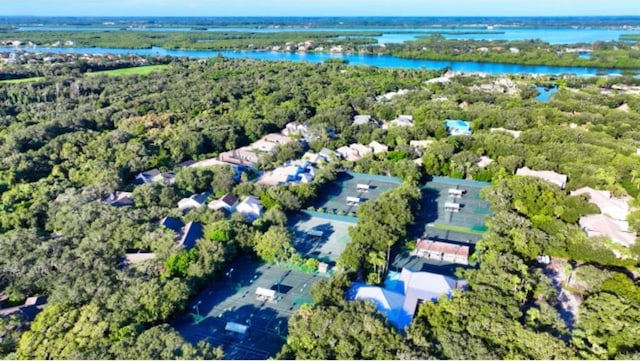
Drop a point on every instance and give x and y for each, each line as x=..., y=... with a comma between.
x=195, y=201
x=402, y=294
x=171, y=223
x=250, y=207
x=484, y=161
x=270, y=141
x=328, y=154
x=378, y=148
x=295, y=172
x=119, y=199
x=244, y=156
x=363, y=120
x=400, y=121
x=190, y=234
x=228, y=203
x=354, y=152
x=391, y=95
x=513, y=133
x=154, y=175
x=295, y=129
x=457, y=127
x=442, y=251
x=133, y=258
x=31, y=307
x=420, y=144
x=550, y=176
x=313, y=158
x=599, y=225
x=250, y=155
x=616, y=208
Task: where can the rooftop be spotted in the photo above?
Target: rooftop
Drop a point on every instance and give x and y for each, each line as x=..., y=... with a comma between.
x=550, y=176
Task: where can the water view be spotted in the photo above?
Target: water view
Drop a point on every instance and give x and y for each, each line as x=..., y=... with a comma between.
x=382, y=61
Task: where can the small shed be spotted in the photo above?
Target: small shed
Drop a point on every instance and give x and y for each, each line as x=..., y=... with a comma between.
x=323, y=267
x=363, y=187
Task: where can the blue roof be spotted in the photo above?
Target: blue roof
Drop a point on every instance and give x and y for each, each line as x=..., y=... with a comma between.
x=173, y=224
x=192, y=232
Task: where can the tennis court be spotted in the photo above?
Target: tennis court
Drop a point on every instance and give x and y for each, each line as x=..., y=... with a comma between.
x=320, y=236
x=239, y=299
x=350, y=189
x=453, y=204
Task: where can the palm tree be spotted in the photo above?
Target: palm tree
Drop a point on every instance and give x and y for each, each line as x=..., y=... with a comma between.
x=378, y=261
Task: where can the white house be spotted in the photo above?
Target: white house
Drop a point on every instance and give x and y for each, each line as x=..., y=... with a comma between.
x=270, y=141
x=154, y=175
x=300, y=171
x=228, y=203
x=616, y=208
x=354, y=152
x=550, y=176
x=484, y=161
x=378, y=147
x=250, y=207
x=420, y=144
x=195, y=201
x=362, y=120
x=401, y=121
x=599, y=225
x=295, y=128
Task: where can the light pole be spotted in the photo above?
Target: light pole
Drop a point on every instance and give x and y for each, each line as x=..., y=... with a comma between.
x=228, y=274
x=195, y=307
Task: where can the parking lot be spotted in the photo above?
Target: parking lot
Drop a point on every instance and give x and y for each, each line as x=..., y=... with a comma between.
x=234, y=299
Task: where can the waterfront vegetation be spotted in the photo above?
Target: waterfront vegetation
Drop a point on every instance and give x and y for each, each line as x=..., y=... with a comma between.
x=68, y=141
x=622, y=54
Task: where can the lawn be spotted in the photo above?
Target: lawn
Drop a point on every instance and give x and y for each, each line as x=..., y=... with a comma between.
x=140, y=70
x=23, y=80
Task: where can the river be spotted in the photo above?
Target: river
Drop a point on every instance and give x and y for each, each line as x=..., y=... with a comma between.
x=382, y=61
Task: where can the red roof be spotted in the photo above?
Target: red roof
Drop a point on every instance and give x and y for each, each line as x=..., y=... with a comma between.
x=447, y=248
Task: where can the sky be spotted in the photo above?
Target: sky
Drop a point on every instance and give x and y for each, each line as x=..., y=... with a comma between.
x=319, y=7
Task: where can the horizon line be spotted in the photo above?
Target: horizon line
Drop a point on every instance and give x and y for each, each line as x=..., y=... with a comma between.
x=320, y=16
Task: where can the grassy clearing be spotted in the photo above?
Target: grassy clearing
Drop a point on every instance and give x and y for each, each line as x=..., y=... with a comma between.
x=140, y=70
x=23, y=80
x=447, y=227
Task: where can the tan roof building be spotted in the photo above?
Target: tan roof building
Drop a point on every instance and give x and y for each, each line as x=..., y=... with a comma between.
x=550, y=176
x=442, y=251
x=616, y=208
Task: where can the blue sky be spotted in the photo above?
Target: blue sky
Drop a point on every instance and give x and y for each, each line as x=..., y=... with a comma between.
x=319, y=7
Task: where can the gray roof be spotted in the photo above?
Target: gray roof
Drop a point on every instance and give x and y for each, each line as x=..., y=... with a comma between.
x=201, y=197
x=150, y=173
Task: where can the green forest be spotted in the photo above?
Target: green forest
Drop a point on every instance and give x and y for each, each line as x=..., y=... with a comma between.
x=69, y=140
